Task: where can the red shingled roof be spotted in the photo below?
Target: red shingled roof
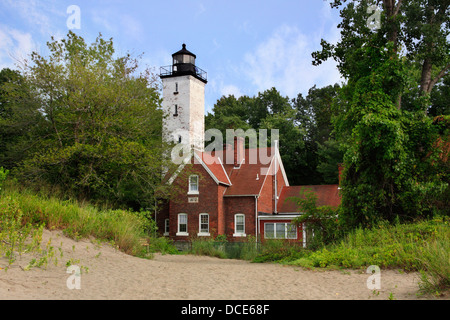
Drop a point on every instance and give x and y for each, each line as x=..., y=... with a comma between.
x=214, y=164
x=249, y=178
x=326, y=195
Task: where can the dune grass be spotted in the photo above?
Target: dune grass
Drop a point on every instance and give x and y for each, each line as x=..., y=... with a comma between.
x=77, y=220
x=423, y=246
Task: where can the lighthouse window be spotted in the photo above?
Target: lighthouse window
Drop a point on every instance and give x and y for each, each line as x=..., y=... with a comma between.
x=176, y=87
x=175, y=110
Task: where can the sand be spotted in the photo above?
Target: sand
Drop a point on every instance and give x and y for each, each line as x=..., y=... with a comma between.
x=107, y=273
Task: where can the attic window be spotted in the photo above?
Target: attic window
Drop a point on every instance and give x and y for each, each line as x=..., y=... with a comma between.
x=193, y=184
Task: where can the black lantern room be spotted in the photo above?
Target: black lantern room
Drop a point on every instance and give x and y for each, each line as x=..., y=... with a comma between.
x=183, y=63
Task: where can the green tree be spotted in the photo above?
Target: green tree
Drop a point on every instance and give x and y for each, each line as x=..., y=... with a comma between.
x=421, y=27
x=315, y=114
x=17, y=121
x=101, y=138
x=389, y=171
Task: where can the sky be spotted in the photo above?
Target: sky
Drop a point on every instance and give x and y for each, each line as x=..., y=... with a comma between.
x=245, y=46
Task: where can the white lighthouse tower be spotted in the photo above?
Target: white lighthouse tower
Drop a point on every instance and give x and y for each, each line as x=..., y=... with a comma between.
x=184, y=100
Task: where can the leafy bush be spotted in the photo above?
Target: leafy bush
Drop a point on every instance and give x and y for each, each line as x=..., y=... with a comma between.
x=279, y=251
x=162, y=245
x=320, y=220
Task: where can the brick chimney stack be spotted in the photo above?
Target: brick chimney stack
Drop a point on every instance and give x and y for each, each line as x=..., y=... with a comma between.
x=239, y=150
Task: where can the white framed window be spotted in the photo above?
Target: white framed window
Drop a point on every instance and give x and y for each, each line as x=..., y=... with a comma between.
x=166, y=227
x=193, y=184
x=203, y=224
x=182, y=225
x=239, y=225
x=280, y=230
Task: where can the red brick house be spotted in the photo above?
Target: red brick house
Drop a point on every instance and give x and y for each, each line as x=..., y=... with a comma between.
x=246, y=195
x=238, y=200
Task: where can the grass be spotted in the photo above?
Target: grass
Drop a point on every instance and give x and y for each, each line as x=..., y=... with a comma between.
x=77, y=220
x=423, y=246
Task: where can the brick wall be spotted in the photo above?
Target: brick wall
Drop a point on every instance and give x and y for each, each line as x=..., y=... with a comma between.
x=208, y=199
x=243, y=205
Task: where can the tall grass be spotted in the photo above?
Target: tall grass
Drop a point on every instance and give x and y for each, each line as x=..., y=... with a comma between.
x=221, y=248
x=422, y=246
x=77, y=220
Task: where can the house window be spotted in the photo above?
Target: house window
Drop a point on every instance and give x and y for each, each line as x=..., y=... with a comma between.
x=166, y=227
x=182, y=225
x=239, y=225
x=280, y=231
x=193, y=184
x=203, y=224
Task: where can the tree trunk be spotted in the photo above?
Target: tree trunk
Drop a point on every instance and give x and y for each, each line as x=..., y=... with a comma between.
x=426, y=76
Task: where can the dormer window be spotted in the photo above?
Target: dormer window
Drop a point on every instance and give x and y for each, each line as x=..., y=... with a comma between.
x=193, y=184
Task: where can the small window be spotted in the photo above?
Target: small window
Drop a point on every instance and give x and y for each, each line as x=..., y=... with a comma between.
x=175, y=110
x=176, y=87
x=203, y=224
x=166, y=227
x=193, y=184
x=239, y=225
x=182, y=225
x=179, y=139
x=269, y=231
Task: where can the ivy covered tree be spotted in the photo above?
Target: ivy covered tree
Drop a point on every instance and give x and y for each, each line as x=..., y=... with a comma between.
x=390, y=151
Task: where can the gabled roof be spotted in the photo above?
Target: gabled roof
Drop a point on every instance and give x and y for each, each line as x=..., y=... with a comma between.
x=246, y=180
x=213, y=165
x=249, y=179
x=327, y=195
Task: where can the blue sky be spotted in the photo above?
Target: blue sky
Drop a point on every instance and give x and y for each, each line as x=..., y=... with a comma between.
x=245, y=46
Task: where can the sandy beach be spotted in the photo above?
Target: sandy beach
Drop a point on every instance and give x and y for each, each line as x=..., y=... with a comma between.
x=107, y=273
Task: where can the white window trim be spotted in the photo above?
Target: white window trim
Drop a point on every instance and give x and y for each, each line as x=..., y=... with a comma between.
x=286, y=224
x=178, y=225
x=193, y=192
x=200, y=233
x=166, y=227
x=238, y=234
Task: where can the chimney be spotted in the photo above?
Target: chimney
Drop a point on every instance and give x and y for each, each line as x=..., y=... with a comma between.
x=238, y=151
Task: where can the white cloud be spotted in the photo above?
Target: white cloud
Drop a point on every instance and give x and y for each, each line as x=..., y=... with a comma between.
x=15, y=46
x=39, y=14
x=230, y=89
x=283, y=60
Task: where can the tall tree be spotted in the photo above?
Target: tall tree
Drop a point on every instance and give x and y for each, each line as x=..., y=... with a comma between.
x=389, y=172
x=422, y=27
x=101, y=134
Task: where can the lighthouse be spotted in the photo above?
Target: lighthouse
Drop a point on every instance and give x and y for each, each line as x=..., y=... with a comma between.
x=184, y=100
